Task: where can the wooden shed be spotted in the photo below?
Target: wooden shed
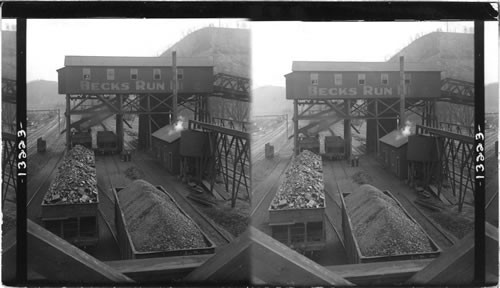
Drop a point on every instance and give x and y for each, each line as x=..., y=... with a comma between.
x=166, y=147
x=392, y=153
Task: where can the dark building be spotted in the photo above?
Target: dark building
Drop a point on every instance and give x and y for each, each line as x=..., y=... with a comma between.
x=358, y=80
x=393, y=150
x=166, y=147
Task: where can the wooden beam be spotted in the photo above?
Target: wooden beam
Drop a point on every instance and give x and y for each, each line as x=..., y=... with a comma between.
x=230, y=264
x=227, y=131
x=59, y=261
x=455, y=266
x=159, y=269
x=451, y=135
x=9, y=252
x=276, y=264
x=382, y=273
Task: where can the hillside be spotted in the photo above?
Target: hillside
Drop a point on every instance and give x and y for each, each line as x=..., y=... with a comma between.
x=491, y=98
x=9, y=54
x=452, y=52
x=268, y=100
x=43, y=94
x=228, y=47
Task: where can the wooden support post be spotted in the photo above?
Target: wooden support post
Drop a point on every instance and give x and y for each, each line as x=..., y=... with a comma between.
x=68, y=122
x=149, y=138
x=377, y=145
x=402, y=94
x=295, y=127
x=119, y=123
x=174, y=87
x=347, y=130
x=286, y=115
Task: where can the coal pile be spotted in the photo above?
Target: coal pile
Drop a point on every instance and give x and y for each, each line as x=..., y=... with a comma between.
x=154, y=221
x=75, y=181
x=303, y=185
x=381, y=227
x=82, y=154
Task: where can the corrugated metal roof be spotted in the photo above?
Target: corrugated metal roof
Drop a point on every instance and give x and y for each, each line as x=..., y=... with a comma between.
x=168, y=133
x=137, y=61
x=395, y=139
x=360, y=66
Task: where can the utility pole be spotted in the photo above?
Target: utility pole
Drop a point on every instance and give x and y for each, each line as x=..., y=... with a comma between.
x=174, y=88
x=402, y=93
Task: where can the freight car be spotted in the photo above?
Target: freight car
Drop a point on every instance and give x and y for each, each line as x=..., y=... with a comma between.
x=334, y=147
x=377, y=228
x=309, y=143
x=41, y=145
x=82, y=138
x=107, y=142
x=69, y=208
x=146, y=237
x=297, y=212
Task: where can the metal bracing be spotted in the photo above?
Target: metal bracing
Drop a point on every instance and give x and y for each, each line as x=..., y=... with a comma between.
x=230, y=153
x=231, y=87
x=457, y=91
x=99, y=107
x=323, y=113
x=9, y=90
x=457, y=128
x=456, y=158
x=9, y=179
x=231, y=124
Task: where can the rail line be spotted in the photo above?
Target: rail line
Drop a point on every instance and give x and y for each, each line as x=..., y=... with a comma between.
x=45, y=181
x=441, y=234
x=104, y=217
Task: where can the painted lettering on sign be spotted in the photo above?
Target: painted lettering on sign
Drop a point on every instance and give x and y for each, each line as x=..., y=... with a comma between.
x=367, y=90
x=139, y=85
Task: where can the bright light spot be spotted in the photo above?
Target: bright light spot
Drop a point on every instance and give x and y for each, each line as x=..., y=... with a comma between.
x=178, y=126
x=406, y=130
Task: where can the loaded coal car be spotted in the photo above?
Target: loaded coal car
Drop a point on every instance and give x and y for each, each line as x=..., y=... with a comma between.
x=150, y=223
x=69, y=208
x=309, y=143
x=334, y=147
x=377, y=228
x=81, y=138
x=297, y=212
x=107, y=142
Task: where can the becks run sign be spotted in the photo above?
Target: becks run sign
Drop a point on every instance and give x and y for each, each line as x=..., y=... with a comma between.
x=138, y=85
x=315, y=91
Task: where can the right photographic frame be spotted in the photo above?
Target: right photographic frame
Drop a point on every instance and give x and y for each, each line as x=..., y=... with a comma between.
x=364, y=153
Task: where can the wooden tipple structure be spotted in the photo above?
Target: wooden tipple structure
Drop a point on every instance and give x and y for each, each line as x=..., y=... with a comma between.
x=98, y=87
x=325, y=93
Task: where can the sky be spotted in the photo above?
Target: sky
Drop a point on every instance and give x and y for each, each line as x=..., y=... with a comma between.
x=275, y=45
x=49, y=40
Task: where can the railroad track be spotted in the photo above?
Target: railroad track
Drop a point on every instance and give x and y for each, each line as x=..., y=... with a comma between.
x=257, y=145
x=105, y=217
x=45, y=181
x=440, y=233
x=46, y=129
